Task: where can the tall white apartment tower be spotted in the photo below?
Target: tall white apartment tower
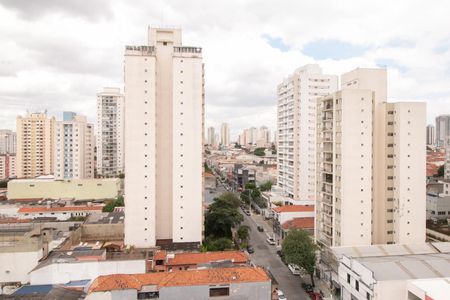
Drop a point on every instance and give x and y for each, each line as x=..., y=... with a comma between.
x=431, y=135
x=35, y=145
x=370, y=165
x=296, y=138
x=7, y=141
x=211, y=136
x=443, y=130
x=110, y=132
x=164, y=115
x=74, y=148
x=225, y=134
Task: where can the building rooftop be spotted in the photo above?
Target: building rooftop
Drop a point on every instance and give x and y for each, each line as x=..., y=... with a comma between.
x=299, y=223
x=38, y=209
x=436, y=289
x=189, y=258
x=181, y=278
x=294, y=208
x=115, y=217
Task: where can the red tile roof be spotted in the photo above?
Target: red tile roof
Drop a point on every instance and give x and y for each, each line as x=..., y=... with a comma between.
x=299, y=223
x=160, y=255
x=14, y=220
x=190, y=258
x=294, y=208
x=181, y=278
x=35, y=209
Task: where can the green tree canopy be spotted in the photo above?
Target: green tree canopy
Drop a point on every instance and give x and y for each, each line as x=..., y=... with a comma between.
x=222, y=215
x=259, y=151
x=243, y=232
x=299, y=249
x=265, y=186
x=250, y=186
x=217, y=244
x=440, y=171
x=119, y=201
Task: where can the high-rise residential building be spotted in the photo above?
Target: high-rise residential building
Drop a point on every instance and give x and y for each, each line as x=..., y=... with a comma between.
x=225, y=134
x=370, y=165
x=164, y=115
x=443, y=130
x=297, y=97
x=110, y=132
x=7, y=141
x=431, y=135
x=35, y=145
x=74, y=147
x=7, y=166
x=447, y=163
x=211, y=136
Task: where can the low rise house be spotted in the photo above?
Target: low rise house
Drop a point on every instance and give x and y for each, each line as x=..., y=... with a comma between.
x=243, y=175
x=60, y=213
x=223, y=283
x=165, y=261
x=282, y=214
x=438, y=207
x=297, y=223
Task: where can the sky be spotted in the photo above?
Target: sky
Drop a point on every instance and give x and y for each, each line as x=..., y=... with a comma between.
x=56, y=55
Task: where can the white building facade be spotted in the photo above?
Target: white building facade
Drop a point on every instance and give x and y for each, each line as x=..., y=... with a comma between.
x=164, y=115
x=211, y=139
x=431, y=135
x=7, y=141
x=74, y=148
x=110, y=132
x=443, y=130
x=225, y=134
x=296, y=141
x=370, y=165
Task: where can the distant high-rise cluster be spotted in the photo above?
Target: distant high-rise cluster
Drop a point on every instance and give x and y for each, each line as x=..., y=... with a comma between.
x=224, y=135
x=253, y=136
x=164, y=92
x=443, y=130
x=431, y=135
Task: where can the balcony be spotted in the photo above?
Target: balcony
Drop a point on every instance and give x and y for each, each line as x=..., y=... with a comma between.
x=187, y=49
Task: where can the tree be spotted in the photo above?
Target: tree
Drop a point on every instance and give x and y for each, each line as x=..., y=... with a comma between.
x=219, y=244
x=243, y=232
x=109, y=207
x=250, y=186
x=121, y=175
x=4, y=184
x=440, y=171
x=259, y=151
x=222, y=215
x=237, y=146
x=266, y=186
x=299, y=249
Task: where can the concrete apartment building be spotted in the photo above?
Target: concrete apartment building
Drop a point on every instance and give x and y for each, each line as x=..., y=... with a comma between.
x=164, y=116
x=7, y=141
x=431, y=135
x=370, y=165
x=110, y=132
x=225, y=134
x=296, y=129
x=7, y=166
x=211, y=140
x=447, y=163
x=443, y=130
x=35, y=145
x=74, y=147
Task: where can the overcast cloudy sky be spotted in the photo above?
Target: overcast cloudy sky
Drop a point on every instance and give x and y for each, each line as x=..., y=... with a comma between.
x=57, y=54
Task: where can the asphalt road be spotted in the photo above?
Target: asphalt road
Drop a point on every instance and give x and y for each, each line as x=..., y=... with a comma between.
x=265, y=255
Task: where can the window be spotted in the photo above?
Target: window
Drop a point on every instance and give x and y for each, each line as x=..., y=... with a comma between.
x=219, y=291
x=348, y=278
x=357, y=285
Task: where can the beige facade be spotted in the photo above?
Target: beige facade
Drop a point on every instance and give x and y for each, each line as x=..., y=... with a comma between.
x=370, y=165
x=296, y=129
x=164, y=112
x=225, y=134
x=35, y=145
x=110, y=132
x=7, y=166
x=74, y=148
x=78, y=189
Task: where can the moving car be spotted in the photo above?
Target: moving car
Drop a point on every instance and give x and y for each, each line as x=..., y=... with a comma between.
x=294, y=269
x=271, y=241
x=250, y=249
x=281, y=295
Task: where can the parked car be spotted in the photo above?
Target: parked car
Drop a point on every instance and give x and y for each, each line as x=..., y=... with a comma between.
x=281, y=295
x=250, y=249
x=294, y=269
x=260, y=228
x=271, y=241
x=247, y=212
x=307, y=287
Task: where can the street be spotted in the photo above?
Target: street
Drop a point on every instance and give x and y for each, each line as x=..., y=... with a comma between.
x=265, y=255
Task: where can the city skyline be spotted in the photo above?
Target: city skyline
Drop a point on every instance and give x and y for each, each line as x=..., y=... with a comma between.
x=42, y=63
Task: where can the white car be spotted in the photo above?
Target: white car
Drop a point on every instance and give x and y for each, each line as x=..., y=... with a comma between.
x=294, y=269
x=271, y=241
x=281, y=295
